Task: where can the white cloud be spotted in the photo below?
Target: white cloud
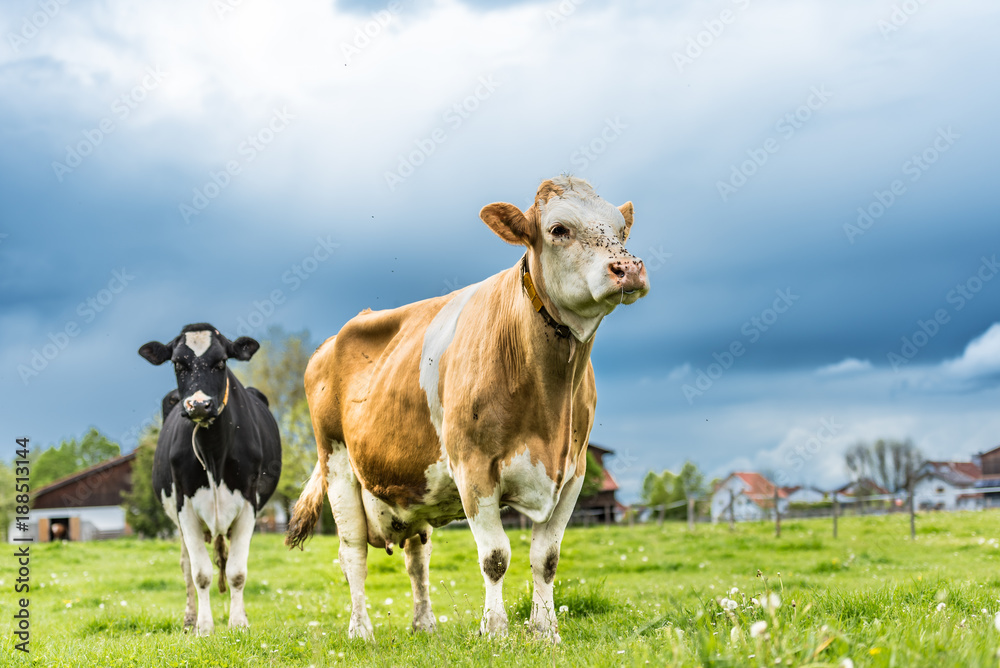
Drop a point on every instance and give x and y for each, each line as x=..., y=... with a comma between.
x=846, y=366
x=980, y=358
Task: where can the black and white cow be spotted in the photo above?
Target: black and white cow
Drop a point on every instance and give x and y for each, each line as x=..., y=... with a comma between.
x=218, y=460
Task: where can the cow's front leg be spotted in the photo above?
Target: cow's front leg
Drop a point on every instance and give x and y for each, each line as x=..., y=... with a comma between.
x=418, y=555
x=545, y=540
x=236, y=567
x=200, y=564
x=344, y=492
x=494, y=555
x=191, y=609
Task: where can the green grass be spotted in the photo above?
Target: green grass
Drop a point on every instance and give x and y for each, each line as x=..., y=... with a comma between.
x=648, y=595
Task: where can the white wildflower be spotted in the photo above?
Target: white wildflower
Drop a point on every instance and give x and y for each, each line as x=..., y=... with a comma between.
x=846, y=663
x=734, y=591
x=728, y=603
x=996, y=621
x=443, y=618
x=734, y=634
x=388, y=601
x=563, y=608
x=941, y=606
x=757, y=628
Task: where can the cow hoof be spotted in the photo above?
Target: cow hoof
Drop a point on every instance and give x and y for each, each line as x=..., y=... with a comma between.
x=425, y=624
x=550, y=634
x=361, y=628
x=493, y=626
x=206, y=629
x=189, y=622
x=241, y=623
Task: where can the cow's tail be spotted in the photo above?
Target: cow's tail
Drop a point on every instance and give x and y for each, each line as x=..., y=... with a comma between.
x=307, y=509
x=221, y=555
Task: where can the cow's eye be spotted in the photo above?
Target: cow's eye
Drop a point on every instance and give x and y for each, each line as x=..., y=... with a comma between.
x=179, y=365
x=559, y=231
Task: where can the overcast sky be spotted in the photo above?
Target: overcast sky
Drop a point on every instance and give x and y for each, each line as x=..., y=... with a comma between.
x=813, y=182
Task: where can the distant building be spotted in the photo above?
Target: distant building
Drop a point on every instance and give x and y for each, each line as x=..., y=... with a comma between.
x=860, y=491
x=805, y=495
x=751, y=496
x=948, y=486
x=989, y=466
x=602, y=507
x=86, y=505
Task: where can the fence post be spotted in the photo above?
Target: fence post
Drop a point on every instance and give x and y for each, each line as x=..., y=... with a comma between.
x=732, y=511
x=836, y=511
x=691, y=514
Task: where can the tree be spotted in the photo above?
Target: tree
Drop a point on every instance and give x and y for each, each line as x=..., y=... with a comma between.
x=143, y=508
x=277, y=370
x=889, y=464
x=666, y=488
x=71, y=456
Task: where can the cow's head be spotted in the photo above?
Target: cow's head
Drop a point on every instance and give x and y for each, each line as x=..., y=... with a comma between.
x=199, y=355
x=576, y=251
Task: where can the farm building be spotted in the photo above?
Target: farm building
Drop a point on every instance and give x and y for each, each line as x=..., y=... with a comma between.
x=803, y=496
x=860, y=491
x=948, y=486
x=989, y=466
x=83, y=506
x=751, y=496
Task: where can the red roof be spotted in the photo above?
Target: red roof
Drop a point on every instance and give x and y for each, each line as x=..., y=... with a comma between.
x=608, y=484
x=965, y=468
x=759, y=487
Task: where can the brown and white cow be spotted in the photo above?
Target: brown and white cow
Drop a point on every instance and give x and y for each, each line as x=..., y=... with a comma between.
x=456, y=406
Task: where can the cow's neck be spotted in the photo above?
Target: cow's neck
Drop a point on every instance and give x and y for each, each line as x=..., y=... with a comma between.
x=213, y=441
x=582, y=327
x=559, y=363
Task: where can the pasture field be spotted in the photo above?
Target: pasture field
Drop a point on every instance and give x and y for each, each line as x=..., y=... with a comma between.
x=643, y=596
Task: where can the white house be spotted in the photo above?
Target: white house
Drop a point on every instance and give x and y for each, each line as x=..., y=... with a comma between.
x=751, y=496
x=805, y=495
x=948, y=486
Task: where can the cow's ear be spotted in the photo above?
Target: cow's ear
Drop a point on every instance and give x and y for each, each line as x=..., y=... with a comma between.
x=156, y=353
x=628, y=215
x=509, y=223
x=242, y=348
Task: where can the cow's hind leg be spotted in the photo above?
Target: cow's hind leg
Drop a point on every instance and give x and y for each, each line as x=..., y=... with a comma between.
x=201, y=565
x=417, y=554
x=494, y=552
x=236, y=567
x=545, y=540
x=191, y=609
x=344, y=491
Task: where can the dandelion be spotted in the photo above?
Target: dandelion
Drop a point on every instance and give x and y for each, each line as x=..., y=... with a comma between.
x=388, y=601
x=314, y=623
x=734, y=634
x=101, y=606
x=563, y=608
x=875, y=651
x=69, y=605
x=124, y=603
x=623, y=557
x=757, y=628
x=773, y=601
x=996, y=621
x=941, y=606
x=443, y=618
x=734, y=591
x=846, y=663
x=728, y=604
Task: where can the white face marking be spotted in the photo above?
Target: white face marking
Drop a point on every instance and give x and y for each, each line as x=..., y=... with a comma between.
x=199, y=342
x=197, y=396
x=438, y=337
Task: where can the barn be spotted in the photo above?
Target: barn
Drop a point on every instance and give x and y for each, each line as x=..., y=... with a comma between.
x=86, y=505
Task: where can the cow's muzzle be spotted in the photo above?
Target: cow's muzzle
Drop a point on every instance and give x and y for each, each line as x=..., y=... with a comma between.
x=198, y=410
x=629, y=278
